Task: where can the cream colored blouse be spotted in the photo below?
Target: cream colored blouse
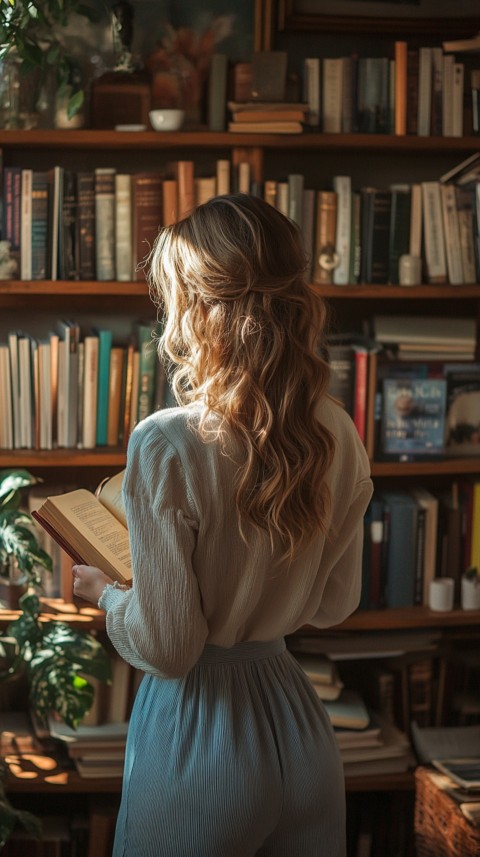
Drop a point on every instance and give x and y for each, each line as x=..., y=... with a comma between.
x=195, y=581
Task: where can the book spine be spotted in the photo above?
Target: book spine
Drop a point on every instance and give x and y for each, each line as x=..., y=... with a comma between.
x=347, y=95
x=147, y=218
x=419, y=556
x=71, y=415
x=343, y=189
x=170, y=201
x=416, y=221
x=326, y=225
x=90, y=392
x=39, y=225
x=379, y=254
x=399, y=240
x=434, y=233
x=466, y=224
x=412, y=90
x=282, y=198
x=6, y=405
x=360, y=391
x=295, y=197
x=104, y=350
x=332, y=80
x=86, y=226
x=452, y=234
x=186, y=187
x=148, y=360
x=308, y=222
x=424, y=92
x=123, y=227
x=436, y=117
x=114, y=395
x=270, y=192
x=311, y=79
x=105, y=223
x=447, y=95
x=67, y=257
x=401, y=88
x=26, y=226
x=217, y=92
x=243, y=177
x=55, y=185
x=401, y=552
x=11, y=230
x=457, y=99
x=223, y=176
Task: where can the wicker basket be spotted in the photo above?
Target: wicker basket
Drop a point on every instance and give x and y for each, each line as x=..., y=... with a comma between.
x=441, y=829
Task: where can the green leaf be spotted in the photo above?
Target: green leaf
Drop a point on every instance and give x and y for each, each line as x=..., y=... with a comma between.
x=53, y=54
x=75, y=103
x=13, y=481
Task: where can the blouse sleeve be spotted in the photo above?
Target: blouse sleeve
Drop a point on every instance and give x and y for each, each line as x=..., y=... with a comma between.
x=158, y=625
x=343, y=558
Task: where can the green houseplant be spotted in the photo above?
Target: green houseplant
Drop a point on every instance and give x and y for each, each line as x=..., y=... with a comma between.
x=31, y=33
x=53, y=657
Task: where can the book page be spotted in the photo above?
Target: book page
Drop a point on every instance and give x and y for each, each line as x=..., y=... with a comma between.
x=92, y=530
x=109, y=492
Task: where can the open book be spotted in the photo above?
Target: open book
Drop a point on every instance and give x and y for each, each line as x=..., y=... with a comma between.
x=91, y=528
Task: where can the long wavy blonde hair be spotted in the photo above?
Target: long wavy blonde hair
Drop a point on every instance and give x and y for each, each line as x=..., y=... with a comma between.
x=242, y=328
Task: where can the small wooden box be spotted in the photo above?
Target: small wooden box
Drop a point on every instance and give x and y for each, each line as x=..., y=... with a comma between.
x=441, y=829
x=120, y=99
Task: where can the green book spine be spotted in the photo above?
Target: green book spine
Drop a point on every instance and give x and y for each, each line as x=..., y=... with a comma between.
x=104, y=348
x=148, y=362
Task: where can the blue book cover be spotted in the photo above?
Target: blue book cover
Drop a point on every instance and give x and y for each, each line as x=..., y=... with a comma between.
x=402, y=549
x=413, y=417
x=104, y=349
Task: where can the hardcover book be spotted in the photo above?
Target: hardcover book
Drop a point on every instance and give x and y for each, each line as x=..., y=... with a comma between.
x=462, y=429
x=413, y=419
x=91, y=528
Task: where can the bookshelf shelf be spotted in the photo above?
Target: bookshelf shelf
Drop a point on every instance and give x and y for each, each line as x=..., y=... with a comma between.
x=403, y=293
x=407, y=617
x=203, y=139
x=67, y=288
x=62, y=458
x=447, y=467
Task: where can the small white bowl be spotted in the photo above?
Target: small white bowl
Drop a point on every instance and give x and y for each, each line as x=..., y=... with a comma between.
x=166, y=120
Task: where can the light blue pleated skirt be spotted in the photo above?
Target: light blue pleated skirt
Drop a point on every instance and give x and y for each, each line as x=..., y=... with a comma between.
x=236, y=759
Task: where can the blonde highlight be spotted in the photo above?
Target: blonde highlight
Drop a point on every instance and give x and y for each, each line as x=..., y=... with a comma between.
x=242, y=327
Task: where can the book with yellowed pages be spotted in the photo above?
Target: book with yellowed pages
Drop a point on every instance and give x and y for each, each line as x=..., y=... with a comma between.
x=91, y=528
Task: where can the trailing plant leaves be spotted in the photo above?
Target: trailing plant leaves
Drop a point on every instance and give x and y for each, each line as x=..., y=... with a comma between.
x=12, y=481
x=75, y=103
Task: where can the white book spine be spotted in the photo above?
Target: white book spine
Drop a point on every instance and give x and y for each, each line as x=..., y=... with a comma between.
x=295, y=198
x=26, y=392
x=81, y=383
x=342, y=185
x=123, y=227
x=90, y=389
x=424, y=92
x=434, y=233
x=452, y=234
x=15, y=387
x=61, y=393
x=416, y=221
x=54, y=340
x=244, y=177
x=347, y=95
x=205, y=189
x=457, y=99
x=332, y=95
x=45, y=395
x=311, y=77
x=26, y=226
x=223, y=177
x=104, y=228
x=447, y=117
x=466, y=227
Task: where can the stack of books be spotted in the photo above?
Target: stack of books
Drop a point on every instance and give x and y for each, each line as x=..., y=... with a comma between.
x=267, y=117
x=323, y=674
x=97, y=751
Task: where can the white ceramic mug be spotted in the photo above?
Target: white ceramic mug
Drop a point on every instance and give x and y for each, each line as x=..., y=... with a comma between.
x=409, y=270
x=440, y=594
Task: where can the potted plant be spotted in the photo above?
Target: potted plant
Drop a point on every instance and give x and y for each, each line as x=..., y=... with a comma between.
x=33, y=45
x=53, y=658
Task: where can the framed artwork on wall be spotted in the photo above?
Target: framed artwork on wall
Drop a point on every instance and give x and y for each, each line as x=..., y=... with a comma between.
x=398, y=17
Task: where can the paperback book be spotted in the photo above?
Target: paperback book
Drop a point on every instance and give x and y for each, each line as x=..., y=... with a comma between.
x=413, y=419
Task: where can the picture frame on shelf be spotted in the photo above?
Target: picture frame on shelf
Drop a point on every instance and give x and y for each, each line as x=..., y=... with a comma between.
x=392, y=17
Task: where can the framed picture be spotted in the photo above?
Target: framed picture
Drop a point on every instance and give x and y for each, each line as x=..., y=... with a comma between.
x=398, y=17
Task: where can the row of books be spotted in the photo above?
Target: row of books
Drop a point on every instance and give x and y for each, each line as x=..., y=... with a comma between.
x=65, y=390
x=412, y=388
x=415, y=536
x=100, y=224
x=414, y=91
x=359, y=236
